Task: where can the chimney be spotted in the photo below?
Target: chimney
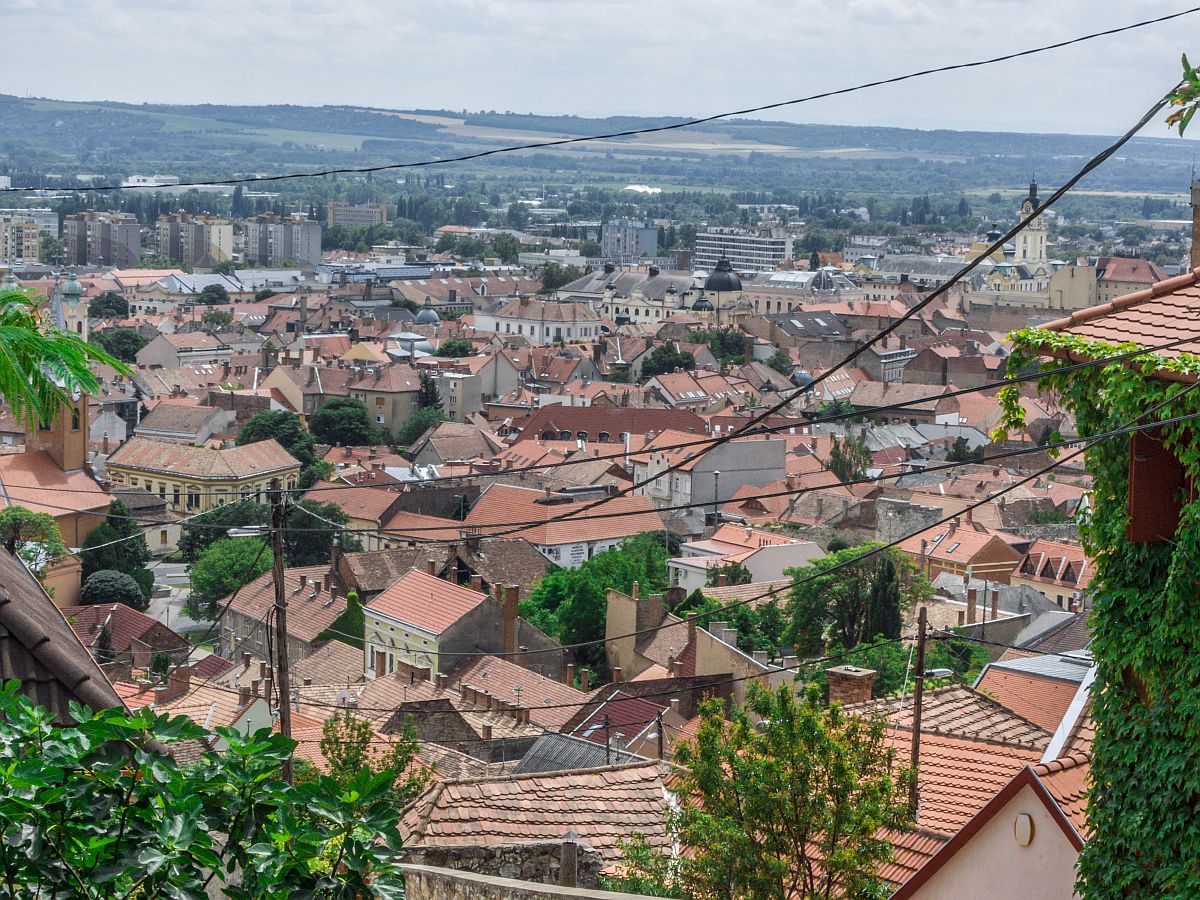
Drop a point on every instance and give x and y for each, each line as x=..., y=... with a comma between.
x=570, y=676
x=850, y=684
x=675, y=705
x=307, y=682
x=262, y=671
x=995, y=603
x=1194, y=258
x=429, y=567
x=243, y=695
x=512, y=594
x=962, y=618
x=440, y=679
x=487, y=731
x=254, y=688
x=464, y=692
x=635, y=590
x=722, y=581
x=585, y=680
x=523, y=657
x=616, y=674
x=477, y=583
x=245, y=659
x=972, y=603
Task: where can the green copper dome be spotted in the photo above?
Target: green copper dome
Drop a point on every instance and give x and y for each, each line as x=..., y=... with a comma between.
x=72, y=290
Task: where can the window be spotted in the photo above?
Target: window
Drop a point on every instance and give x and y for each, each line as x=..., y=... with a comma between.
x=74, y=419
x=193, y=499
x=379, y=419
x=176, y=496
x=379, y=401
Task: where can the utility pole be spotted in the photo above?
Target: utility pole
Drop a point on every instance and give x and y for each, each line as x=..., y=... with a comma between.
x=914, y=791
x=285, y=685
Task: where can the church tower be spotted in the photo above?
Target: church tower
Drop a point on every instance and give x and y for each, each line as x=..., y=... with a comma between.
x=65, y=437
x=74, y=310
x=1031, y=242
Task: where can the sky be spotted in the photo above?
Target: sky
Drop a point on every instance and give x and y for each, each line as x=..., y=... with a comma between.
x=611, y=57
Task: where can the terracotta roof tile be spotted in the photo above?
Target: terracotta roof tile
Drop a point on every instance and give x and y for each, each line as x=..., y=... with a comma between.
x=959, y=711
x=958, y=776
x=502, y=503
x=311, y=608
x=259, y=458
x=1041, y=700
x=602, y=806
x=502, y=678
x=426, y=602
x=1066, y=780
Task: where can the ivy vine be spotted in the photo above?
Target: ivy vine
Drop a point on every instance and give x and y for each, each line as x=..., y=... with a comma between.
x=1144, y=798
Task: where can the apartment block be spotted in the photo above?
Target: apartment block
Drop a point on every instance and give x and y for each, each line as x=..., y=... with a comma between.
x=20, y=239
x=628, y=237
x=93, y=238
x=193, y=240
x=347, y=215
x=759, y=250
x=274, y=241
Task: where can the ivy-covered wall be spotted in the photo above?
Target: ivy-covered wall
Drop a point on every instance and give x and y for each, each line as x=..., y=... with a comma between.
x=1144, y=805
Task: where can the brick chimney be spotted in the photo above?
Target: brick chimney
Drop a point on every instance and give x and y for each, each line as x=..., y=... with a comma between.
x=995, y=603
x=850, y=684
x=570, y=676
x=972, y=605
x=1194, y=258
x=512, y=594
x=178, y=683
x=585, y=680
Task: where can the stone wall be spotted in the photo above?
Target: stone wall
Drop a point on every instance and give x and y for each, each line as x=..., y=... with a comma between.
x=531, y=862
x=895, y=519
x=427, y=883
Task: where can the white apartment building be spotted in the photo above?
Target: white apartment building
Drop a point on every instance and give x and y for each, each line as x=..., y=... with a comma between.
x=758, y=250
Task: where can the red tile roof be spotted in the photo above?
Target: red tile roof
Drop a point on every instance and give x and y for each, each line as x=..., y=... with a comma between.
x=502, y=503
x=426, y=602
x=1039, y=699
x=1066, y=780
x=1124, y=268
x=1167, y=311
x=602, y=806
x=503, y=678
x=618, y=714
x=125, y=624
x=247, y=461
x=370, y=504
x=311, y=608
x=33, y=479
x=958, y=776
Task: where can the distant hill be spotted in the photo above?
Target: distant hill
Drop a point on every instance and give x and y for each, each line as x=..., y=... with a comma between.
x=115, y=139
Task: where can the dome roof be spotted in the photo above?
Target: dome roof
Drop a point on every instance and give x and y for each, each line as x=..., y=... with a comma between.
x=72, y=290
x=428, y=315
x=702, y=304
x=723, y=278
x=10, y=282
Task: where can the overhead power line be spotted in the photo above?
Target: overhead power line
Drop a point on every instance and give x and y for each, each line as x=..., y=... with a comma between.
x=655, y=129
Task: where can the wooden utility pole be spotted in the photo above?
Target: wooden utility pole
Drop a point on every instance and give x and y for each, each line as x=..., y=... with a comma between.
x=914, y=791
x=285, y=684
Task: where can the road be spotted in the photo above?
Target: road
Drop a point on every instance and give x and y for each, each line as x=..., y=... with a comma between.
x=169, y=609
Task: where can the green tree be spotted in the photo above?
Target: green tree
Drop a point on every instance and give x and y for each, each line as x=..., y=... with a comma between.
x=286, y=428
x=221, y=569
x=122, y=343
x=428, y=395
x=351, y=747
x=849, y=458
x=666, y=358
x=731, y=572
x=217, y=317
x=350, y=626
x=317, y=470
x=263, y=294
x=570, y=603
x=308, y=537
x=110, y=586
x=589, y=249
x=961, y=452
x=784, y=798
x=831, y=596
x=32, y=536
x=780, y=362
x=126, y=525
x=555, y=276
x=344, y=421
x=417, y=424
x=224, y=267
x=507, y=247
x=214, y=295
x=109, y=305
x=201, y=532
x=883, y=605
x=456, y=347
x=892, y=663
x=98, y=809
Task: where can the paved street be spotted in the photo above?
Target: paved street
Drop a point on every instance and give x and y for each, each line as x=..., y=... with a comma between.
x=169, y=609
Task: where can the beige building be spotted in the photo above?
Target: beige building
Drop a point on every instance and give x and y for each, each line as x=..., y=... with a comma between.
x=389, y=392
x=197, y=479
x=194, y=240
x=20, y=239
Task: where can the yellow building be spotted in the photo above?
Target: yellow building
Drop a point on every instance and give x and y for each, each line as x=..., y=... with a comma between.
x=196, y=479
x=19, y=239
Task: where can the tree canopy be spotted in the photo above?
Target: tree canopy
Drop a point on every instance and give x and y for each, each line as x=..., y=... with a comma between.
x=214, y=294
x=555, y=276
x=98, y=809
x=286, y=428
x=849, y=458
x=109, y=586
x=417, y=424
x=34, y=537
x=666, y=358
x=344, y=421
x=221, y=569
x=123, y=343
x=109, y=305
x=456, y=347
x=308, y=537
x=784, y=798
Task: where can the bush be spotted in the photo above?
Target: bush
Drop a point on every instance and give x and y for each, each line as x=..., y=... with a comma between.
x=109, y=586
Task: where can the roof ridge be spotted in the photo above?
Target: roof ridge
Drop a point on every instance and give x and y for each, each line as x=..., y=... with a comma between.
x=1158, y=289
x=1062, y=764
x=509, y=776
